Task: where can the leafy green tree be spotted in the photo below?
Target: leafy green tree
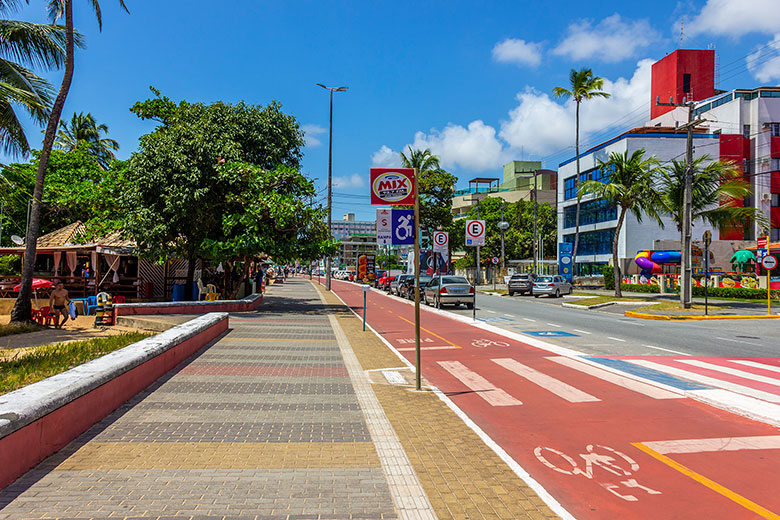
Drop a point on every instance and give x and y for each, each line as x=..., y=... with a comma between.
x=57, y=9
x=717, y=188
x=84, y=129
x=583, y=85
x=436, y=187
x=631, y=186
x=220, y=182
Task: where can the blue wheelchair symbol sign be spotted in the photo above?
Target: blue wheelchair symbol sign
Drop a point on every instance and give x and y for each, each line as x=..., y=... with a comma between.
x=403, y=227
x=548, y=333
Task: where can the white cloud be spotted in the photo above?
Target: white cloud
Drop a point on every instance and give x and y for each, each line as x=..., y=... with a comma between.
x=542, y=126
x=353, y=181
x=735, y=18
x=518, y=52
x=612, y=39
x=764, y=63
x=385, y=157
x=475, y=147
x=310, y=133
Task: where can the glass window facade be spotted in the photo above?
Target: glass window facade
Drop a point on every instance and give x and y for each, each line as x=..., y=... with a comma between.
x=569, y=188
x=591, y=212
x=593, y=242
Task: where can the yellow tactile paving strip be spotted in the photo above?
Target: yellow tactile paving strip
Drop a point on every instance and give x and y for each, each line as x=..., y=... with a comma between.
x=462, y=477
x=220, y=455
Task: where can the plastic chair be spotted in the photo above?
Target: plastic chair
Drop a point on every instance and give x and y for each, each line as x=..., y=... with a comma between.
x=91, y=304
x=45, y=317
x=119, y=299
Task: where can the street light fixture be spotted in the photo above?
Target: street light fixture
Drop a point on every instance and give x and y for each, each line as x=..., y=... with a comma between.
x=330, y=173
x=503, y=226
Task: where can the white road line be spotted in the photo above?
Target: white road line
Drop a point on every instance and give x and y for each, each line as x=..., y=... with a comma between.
x=738, y=341
x=509, y=315
x=529, y=319
x=615, y=379
x=754, y=364
x=767, y=442
x=553, y=325
x=718, y=383
x=559, y=388
x=411, y=349
x=491, y=312
x=581, y=331
x=483, y=388
x=732, y=371
x=616, y=339
x=666, y=350
x=394, y=377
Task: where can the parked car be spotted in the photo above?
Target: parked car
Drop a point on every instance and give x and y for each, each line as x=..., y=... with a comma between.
x=396, y=284
x=385, y=282
x=351, y=275
x=554, y=286
x=378, y=275
x=406, y=288
x=522, y=283
x=449, y=290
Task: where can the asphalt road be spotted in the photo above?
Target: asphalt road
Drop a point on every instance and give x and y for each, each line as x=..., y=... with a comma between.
x=600, y=332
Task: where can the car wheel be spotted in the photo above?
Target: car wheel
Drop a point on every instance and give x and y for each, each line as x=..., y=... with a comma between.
x=536, y=295
x=469, y=305
x=557, y=293
x=511, y=293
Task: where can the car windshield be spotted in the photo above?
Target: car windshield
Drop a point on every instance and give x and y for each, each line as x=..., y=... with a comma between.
x=544, y=279
x=519, y=276
x=453, y=279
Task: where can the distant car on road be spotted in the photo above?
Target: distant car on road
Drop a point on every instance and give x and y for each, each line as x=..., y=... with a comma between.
x=522, y=283
x=406, y=288
x=378, y=275
x=554, y=286
x=384, y=282
x=395, y=285
x=449, y=290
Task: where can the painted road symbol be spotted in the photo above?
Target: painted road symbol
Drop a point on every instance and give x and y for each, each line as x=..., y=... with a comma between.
x=548, y=333
x=475, y=232
x=484, y=343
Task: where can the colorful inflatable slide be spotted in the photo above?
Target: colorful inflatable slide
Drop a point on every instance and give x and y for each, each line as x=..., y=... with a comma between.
x=650, y=262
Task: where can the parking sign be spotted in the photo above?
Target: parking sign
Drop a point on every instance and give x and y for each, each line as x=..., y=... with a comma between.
x=441, y=240
x=475, y=232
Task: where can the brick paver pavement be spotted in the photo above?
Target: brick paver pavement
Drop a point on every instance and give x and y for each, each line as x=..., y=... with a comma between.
x=264, y=423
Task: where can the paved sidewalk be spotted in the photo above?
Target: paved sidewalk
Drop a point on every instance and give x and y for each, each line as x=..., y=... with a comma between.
x=278, y=419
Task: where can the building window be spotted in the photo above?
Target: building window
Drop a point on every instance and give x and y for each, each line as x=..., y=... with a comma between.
x=775, y=164
x=686, y=83
x=770, y=93
x=591, y=212
x=746, y=131
x=774, y=128
x=569, y=188
x=776, y=200
x=774, y=235
x=593, y=242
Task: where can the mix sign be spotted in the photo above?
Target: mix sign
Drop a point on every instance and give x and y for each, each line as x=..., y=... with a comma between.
x=392, y=186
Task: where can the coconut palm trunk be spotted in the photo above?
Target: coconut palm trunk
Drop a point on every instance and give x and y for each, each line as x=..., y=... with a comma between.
x=23, y=306
x=615, y=263
x=577, y=187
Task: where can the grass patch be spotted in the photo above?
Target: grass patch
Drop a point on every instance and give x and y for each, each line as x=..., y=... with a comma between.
x=666, y=306
x=605, y=299
x=18, y=328
x=48, y=360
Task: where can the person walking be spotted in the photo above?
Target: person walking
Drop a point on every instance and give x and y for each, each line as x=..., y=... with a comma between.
x=58, y=303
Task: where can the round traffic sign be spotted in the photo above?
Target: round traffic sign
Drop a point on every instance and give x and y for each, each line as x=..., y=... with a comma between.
x=769, y=262
x=440, y=238
x=475, y=229
x=494, y=260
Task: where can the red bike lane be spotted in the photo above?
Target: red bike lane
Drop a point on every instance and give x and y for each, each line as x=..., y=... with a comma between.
x=603, y=445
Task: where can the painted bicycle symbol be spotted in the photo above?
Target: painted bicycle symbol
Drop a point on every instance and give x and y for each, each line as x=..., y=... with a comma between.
x=404, y=228
x=597, y=456
x=484, y=343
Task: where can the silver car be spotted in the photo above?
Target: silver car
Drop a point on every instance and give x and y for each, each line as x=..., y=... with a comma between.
x=395, y=285
x=554, y=286
x=449, y=290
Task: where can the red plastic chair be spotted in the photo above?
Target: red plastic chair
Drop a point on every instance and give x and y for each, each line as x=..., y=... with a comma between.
x=119, y=299
x=45, y=317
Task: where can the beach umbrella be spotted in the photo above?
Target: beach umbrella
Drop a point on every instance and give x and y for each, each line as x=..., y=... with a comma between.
x=37, y=283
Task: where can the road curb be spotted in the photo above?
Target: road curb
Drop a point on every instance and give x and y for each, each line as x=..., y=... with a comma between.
x=586, y=307
x=664, y=317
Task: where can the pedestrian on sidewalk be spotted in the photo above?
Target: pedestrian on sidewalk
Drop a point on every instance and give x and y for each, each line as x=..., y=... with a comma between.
x=58, y=304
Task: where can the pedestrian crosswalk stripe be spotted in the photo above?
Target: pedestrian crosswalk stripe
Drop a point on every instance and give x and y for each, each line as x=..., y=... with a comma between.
x=754, y=364
x=732, y=371
x=483, y=388
x=559, y=388
x=761, y=442
x=616, y=379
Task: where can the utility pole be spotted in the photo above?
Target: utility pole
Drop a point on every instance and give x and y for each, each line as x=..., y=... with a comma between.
x=686, y=261
x=536, y=239
x=330, y=173
x=503, y=225
x=418, y=371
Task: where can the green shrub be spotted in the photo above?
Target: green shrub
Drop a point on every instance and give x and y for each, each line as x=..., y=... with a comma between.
x=609, y=277
x=10, y=265
x=735, y=292
x=640, y=287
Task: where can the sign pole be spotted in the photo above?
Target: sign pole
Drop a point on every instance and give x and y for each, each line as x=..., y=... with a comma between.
x=418, y=378
x=364, y=310
x=768, y=292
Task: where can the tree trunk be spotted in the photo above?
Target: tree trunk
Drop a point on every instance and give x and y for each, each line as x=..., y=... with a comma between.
x=615, y=263
x=190, y=277
x=23, y=307
x=577, y=189
x=242, y=278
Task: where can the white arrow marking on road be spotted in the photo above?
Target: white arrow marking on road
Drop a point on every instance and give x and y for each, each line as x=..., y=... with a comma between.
x=483, y=388
x=559, y=388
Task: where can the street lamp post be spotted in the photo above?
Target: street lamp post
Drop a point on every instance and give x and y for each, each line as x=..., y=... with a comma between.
x=330, y=173
x=503, y=225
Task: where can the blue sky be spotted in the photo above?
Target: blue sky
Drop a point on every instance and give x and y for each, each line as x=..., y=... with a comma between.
x=471, y=81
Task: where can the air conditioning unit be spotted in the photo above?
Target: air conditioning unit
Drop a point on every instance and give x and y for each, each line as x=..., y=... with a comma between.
x=766, y=197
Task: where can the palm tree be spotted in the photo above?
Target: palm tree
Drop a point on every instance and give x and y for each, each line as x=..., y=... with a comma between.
x=717, y=187
x=57, y=9
x=84, y=128
x=23, y=45
x=630, y=187
x=422, y=160
x=584, y=85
